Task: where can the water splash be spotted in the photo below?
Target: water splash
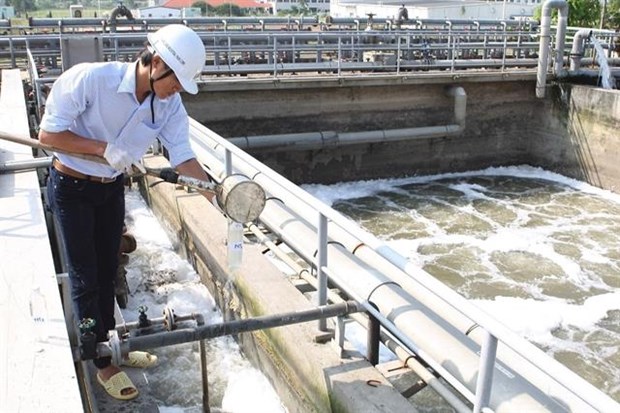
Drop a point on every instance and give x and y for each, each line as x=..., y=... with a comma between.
x=607, y=80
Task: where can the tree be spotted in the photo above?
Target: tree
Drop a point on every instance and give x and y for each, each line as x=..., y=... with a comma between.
x=202, y=5
x=22, y=5
x=613, y=14
x=581, y=13
x=228, y=9
x=584, y=13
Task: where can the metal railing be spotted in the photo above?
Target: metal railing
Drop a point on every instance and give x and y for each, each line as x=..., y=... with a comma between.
x=233, y=53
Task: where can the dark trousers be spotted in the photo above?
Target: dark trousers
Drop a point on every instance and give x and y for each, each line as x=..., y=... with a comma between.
x=91, y=217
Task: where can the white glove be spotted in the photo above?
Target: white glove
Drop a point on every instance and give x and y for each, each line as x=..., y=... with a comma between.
x=118, y=157
x=121, y=160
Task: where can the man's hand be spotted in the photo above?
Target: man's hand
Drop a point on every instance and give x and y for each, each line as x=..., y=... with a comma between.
x=118, y=158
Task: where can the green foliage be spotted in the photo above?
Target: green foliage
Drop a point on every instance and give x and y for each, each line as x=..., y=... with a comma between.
x=581, y=13
x=228, y=9
x=613, y=14
x=22, y=5
x=584, y=13
x=202, y=5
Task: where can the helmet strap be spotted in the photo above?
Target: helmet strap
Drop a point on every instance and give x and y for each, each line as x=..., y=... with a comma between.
x=151, y=82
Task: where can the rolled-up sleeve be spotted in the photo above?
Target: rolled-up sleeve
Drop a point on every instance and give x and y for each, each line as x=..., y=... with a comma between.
x=67, y=100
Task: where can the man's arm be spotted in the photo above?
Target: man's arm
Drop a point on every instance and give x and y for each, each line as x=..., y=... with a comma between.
x=71, y=142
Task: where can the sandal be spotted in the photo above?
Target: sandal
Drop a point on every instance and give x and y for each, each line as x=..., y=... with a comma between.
x=115, y=385
x=139, y=359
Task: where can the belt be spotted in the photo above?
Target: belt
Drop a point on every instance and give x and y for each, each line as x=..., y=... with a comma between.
x=65, y=170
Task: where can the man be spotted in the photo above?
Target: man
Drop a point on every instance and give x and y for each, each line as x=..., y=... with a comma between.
x=403, y=15
x=114, y=110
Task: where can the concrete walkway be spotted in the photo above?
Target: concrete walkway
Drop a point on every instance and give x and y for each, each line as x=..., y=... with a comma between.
x=35, y=376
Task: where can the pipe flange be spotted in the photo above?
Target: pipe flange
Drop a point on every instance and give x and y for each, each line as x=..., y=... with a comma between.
x=169, y=321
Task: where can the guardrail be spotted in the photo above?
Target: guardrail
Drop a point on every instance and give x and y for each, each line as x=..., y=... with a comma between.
x=280, y=52
x=288, y=52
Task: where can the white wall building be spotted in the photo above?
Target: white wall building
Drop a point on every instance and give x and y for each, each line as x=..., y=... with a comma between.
x=437, y=9
x=7, y=12
x=158, y=11
x=315, y=6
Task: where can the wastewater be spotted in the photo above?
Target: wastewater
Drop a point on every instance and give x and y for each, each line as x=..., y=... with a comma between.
x=537, y=250
x=607, y=79
x=157, y=277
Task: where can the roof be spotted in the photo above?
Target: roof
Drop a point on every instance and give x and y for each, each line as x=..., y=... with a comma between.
x=244, y=4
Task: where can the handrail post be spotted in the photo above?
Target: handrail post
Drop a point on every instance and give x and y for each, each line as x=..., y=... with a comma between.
x=228, y=162
x=322, y=262
x=485, y=372
x=339, y=54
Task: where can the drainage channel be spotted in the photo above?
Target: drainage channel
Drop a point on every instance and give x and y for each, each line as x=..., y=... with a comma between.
x=158, y=278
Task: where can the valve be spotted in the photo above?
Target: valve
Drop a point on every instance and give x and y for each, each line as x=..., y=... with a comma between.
x=143, y=320
x=88, y=339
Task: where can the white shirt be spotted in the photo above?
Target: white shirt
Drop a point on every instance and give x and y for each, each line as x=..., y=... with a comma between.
x=98, y=101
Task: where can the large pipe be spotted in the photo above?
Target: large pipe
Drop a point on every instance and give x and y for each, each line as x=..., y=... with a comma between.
x=576, y=52
x=429, y=378
x=318, y=140
x=545, y=39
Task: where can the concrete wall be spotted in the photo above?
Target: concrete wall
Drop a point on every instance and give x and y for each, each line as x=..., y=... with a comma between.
x=573, y=131
x=581, y=136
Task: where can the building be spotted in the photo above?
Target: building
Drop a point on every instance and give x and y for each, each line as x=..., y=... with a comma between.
x=252, y=6
x=158, y=11
x=437, y=9
x=313, y=6
x=6, y=12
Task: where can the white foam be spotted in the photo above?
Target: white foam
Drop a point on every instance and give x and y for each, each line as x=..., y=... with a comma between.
x=158, y=277
x=536, y=320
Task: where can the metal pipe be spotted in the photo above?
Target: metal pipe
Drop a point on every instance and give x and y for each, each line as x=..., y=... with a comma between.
x=188, y=335
x=578, y=48
x=545, y=39
x=429, y=378
x=25, y=165
x=372, y=339
x=485, y=375
x=326, y=139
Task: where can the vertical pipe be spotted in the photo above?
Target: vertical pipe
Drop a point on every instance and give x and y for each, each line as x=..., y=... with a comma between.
x=275, y=56
x=339, y=54
x=320, y=264
x=12, y=49
x=372, y=339
x=577, y=50
x=543, y=51
x=485, y=372
x=398, y=57
x=205, y=377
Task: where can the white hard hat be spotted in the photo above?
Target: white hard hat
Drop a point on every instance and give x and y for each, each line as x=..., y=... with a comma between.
x=182, y=50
